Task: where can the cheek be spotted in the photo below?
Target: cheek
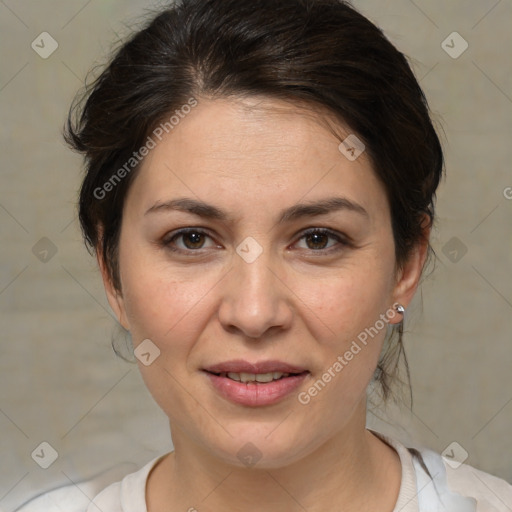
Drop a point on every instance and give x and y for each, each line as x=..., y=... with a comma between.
x=157, y=307
x=350, y=355
x=170, y=311
x=348, y=318
x=164, y=303
x=345, y=304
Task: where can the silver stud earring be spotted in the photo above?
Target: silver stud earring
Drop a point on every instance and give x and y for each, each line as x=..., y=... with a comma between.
x=400, y=310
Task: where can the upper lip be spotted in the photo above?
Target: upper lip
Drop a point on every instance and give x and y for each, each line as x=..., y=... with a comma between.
x=242, y=366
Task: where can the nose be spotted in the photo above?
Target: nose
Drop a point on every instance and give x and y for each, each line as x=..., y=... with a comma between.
x=255, y=298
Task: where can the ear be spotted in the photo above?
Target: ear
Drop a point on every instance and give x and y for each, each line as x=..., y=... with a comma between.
x=408, y=277
x=114, y=296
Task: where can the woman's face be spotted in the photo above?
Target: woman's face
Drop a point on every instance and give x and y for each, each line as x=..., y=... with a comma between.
x=249, y=283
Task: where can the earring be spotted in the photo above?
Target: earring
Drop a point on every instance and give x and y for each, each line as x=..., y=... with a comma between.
x=400, y=310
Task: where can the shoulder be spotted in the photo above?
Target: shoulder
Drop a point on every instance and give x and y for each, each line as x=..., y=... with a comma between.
x=456, y=486
x=109, y=489
x=72, y=497
x=433, y=483
x=67, y=498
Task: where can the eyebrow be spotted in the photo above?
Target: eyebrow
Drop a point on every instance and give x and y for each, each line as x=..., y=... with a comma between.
x=297, y=211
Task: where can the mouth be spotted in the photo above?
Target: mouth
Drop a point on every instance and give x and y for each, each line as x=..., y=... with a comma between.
x=240, y=366
x=260, y=378
x=255, y=384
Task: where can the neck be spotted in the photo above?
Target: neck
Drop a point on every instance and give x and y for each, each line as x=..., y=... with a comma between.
x=350, y=471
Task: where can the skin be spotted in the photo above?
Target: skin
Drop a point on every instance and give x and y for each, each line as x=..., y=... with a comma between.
x=297, y=302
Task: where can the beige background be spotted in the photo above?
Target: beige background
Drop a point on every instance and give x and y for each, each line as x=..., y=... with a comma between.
x=60, y=381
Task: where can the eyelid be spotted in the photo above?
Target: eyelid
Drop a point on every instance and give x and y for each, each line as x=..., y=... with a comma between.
x=341, y=238
x=324, y=230
x=170, y=237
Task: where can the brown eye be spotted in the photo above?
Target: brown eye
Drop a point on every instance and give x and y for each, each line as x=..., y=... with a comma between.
x=193, y=240
x=186, y=240
x=318, y=240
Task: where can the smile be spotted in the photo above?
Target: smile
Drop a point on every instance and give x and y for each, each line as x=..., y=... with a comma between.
x=254, y=377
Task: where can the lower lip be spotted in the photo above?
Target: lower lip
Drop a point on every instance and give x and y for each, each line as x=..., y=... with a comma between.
x=256, y=393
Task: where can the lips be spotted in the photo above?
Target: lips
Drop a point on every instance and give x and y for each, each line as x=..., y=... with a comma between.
x=225, y=379
x=242, y=366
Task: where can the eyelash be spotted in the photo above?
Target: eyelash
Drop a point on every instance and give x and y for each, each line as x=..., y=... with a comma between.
x=167, y=241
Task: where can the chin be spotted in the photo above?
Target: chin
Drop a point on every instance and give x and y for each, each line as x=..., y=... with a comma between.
x=254, y=448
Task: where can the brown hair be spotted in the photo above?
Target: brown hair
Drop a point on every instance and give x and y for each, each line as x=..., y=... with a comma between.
x=321, y=52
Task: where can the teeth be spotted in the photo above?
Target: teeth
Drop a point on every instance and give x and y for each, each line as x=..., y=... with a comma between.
x=251, y=377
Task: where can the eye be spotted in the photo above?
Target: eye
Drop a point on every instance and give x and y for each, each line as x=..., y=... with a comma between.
x=318, y=240
x=192, y=239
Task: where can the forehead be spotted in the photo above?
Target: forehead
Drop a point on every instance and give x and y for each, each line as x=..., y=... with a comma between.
x=239, y=150
x=244, y=129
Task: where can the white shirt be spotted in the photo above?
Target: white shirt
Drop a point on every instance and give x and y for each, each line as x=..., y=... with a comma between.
x=451, y=489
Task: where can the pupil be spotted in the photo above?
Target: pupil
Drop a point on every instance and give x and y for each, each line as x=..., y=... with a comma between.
x=196, y=239
x=315, y=238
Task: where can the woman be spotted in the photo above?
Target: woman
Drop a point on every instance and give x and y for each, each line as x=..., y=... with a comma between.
x=259, y=193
